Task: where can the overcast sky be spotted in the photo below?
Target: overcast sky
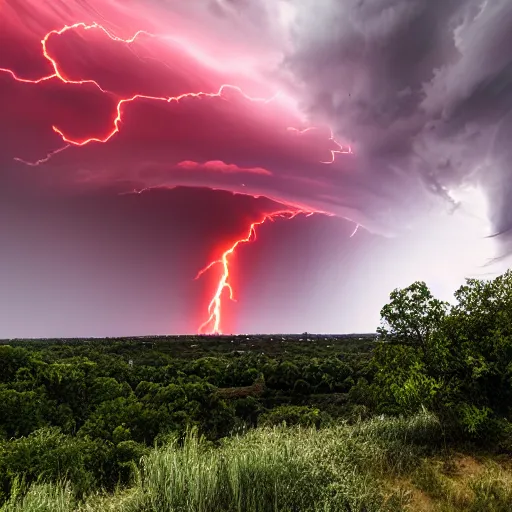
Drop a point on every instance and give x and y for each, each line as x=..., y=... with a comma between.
x=389, y=114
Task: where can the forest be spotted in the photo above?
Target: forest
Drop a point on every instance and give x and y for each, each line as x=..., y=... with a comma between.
x=417, y=417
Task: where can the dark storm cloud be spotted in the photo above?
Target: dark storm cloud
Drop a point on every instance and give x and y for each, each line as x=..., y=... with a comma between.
x=155, y=137
x=420, y=87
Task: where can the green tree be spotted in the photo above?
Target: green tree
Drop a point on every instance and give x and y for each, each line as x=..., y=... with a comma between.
x=412, y=350
x=412, y=317
x=11, y=360
x=457, y=362
x=21, y=412
x=480, y=328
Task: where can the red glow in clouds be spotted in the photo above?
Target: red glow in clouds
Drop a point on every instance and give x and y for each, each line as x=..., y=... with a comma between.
x=214, y=320
x=118, y=118
x=213, y=324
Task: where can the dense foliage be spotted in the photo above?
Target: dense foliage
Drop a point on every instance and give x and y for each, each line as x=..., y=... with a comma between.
x=88, y=412
x=266, y=470
x=454, y=360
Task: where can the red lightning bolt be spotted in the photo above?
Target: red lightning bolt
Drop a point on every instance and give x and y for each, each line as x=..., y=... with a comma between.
x=340, y=150
x=54, y=64
x=213, y=324
x=117, y=120
x=59, y=75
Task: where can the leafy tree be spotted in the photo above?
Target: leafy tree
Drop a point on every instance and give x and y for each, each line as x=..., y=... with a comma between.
x=125, y=412
x=22, y=412
x=457, y=362
x=11, y=360
x=412, y=317
x=67, y=383
x=412, y=350
x=50, y=455
x=103, y=389
x=480, y=328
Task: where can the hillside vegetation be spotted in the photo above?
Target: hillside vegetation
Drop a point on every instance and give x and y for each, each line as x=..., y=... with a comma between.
x=418, y=419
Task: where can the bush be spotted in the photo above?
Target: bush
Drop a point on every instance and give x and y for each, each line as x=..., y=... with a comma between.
x=291, y=415
x=282, y=469
x=336, y=469
x=455, y=360
x=49, y=456
x=361, y=393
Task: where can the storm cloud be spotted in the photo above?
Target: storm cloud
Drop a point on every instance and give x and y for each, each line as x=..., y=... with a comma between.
x=393, y=114
x=419, y=88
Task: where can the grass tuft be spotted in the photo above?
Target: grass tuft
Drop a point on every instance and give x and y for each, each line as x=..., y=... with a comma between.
x=342, y=468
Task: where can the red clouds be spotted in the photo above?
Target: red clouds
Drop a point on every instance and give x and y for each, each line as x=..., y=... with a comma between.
x=110, y=108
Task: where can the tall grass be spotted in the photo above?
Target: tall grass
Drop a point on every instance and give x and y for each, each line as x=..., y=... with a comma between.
x=341, y=468
x=44, y=497
x=486, y=487
x=492, y=492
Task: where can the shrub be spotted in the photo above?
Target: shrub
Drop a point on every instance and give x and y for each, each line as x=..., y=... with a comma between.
x=293, y=415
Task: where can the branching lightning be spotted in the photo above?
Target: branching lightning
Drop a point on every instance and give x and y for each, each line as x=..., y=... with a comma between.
x=118, y=119
x=213, y=324
x=341, y=150
x=214, y=320
x=54, y=64
x=59, y=75
x=44, y=159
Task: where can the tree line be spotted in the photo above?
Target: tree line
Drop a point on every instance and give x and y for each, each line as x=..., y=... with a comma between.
x=89, y=412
